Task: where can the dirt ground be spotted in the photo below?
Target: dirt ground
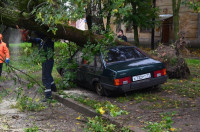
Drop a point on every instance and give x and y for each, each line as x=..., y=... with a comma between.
x=186, y=119
x=55, y=119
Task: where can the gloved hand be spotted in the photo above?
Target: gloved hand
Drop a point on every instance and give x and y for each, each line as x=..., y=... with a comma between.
x=7, y=61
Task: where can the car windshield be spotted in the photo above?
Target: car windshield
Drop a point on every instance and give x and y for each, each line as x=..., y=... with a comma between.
x=123, y=54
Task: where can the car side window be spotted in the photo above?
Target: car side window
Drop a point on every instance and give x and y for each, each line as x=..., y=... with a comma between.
x=91, y=63
x=98, y=62
x=78, y=57
x=86, y=63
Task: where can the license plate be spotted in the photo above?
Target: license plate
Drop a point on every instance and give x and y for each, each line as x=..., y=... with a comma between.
x=141, y=77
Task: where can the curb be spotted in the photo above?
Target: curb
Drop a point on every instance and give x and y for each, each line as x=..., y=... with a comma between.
x=89, y=111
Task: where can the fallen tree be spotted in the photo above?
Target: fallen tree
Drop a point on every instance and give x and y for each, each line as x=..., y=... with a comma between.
x=21, y=15
x=11, y=18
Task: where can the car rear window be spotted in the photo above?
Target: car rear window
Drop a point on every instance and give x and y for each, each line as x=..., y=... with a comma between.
x=123, y=54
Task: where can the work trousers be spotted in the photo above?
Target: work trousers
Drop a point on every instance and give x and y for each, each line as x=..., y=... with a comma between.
x=47, y=78
x=1, y=67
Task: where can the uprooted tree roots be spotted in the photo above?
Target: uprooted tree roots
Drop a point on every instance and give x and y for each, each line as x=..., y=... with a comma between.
x=179, y=70
x=172, y=58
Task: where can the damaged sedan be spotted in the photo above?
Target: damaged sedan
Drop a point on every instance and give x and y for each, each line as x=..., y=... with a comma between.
x=123, y=69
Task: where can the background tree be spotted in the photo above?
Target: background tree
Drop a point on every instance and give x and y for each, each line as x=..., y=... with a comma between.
x=98, y=12
x=138, y=13
x=176, y=7
x=193, y=4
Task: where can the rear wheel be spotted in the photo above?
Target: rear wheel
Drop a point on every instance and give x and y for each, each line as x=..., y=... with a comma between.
x=100, y=90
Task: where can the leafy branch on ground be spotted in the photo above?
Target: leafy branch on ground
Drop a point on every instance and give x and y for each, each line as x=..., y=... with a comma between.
x=98, y=124
x=100, y=107
x=165, y=125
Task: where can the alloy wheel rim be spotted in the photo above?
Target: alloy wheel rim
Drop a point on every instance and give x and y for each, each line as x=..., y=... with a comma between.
x=99, y=89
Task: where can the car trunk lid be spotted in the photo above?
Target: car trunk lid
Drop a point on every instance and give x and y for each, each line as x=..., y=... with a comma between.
x=135, y=67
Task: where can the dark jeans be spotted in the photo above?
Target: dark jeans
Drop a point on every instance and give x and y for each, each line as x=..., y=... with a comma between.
x=47, y=78
x=1, y=66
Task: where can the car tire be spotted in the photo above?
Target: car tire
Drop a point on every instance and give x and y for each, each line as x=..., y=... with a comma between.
x=101, y=91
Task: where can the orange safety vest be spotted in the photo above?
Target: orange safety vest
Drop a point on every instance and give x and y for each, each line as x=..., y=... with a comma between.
x=4, y=52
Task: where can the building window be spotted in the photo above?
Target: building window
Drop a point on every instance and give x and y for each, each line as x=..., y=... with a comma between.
x=145, y=30
x=129, y=28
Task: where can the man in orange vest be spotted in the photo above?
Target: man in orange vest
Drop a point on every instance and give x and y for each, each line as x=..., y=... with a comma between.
x=4, y=54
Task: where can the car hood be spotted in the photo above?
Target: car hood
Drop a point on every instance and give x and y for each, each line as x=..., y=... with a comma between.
x=135, y=67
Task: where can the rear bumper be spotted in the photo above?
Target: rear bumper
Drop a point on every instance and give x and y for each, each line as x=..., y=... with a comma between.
x=136, y=85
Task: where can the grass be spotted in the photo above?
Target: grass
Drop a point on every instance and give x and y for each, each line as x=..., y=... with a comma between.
x=139, y=97
x=167, y=104
x=98, y=124
x=153, y=101
x=20, y=59
x=165, y=125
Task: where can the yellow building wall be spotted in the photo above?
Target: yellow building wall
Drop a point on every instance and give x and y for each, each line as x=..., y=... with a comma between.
x=188, y=18
x=188, y=23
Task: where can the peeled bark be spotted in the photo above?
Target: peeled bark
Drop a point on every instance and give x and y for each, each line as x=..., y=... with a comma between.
x=11, y=18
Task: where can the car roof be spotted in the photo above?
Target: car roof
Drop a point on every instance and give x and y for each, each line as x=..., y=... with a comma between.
x=122, y=46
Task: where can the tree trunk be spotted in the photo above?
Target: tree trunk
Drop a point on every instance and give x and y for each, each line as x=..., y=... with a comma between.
x=176, y=7
x=135, y=27
x=136, y=36
x=110, y=3
x=100, y=23
x=153, y=29
x=12, y=18
x=89, y=16
x=108, y=22
x=176, y=26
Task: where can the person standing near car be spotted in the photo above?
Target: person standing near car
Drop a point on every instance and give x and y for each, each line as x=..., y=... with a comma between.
x=4, y=53
x=46, y=49
x=121, y=35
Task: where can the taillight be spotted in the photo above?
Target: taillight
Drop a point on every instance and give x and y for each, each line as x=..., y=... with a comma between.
x=160, y=73
x=121, y=81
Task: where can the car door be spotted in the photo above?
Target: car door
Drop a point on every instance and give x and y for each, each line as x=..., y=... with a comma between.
x=85, y=70
x=89, y=73
x=98, y=67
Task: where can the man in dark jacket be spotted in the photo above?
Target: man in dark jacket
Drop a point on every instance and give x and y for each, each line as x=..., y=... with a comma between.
x=121, y=35
x=46, y=45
